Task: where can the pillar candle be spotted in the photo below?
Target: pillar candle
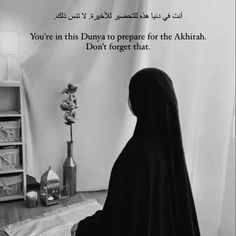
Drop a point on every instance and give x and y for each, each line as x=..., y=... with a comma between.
x=31, y=199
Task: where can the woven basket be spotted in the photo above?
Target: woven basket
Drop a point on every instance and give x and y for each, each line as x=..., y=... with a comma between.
x=9, y=131
x=10, y=185
x=9, y=158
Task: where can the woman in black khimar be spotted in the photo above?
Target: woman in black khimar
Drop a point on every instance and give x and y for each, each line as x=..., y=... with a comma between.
x=149, y=192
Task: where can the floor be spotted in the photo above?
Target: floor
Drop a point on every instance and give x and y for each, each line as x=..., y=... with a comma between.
x=14, y=211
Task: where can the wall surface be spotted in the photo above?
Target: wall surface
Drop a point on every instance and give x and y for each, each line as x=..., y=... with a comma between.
x=227, y=226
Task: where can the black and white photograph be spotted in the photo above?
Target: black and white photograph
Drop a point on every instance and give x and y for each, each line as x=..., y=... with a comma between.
x=117, y=118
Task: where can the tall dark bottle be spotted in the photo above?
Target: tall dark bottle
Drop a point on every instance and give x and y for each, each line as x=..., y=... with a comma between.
x=69, y=170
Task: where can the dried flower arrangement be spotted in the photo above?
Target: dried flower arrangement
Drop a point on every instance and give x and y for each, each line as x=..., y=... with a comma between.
x=69, y=106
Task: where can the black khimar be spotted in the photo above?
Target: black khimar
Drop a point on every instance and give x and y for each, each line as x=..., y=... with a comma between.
x=149, y=192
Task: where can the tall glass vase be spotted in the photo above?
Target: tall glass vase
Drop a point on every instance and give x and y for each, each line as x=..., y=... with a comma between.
x=69, y=170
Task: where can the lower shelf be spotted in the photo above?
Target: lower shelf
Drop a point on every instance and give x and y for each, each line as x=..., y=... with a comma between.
x=12, y=197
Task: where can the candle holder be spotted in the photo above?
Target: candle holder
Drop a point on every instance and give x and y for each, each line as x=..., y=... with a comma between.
x=50, y=188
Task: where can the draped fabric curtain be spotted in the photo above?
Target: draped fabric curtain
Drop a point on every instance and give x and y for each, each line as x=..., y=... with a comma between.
x=202, y=73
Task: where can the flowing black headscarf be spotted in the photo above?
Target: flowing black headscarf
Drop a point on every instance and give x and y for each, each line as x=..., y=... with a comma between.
x=149, y=192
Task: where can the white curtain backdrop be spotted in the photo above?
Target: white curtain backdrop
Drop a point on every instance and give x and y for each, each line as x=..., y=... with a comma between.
x=202, y=72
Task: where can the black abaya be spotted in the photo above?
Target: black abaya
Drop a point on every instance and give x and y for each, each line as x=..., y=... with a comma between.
x=149, y=192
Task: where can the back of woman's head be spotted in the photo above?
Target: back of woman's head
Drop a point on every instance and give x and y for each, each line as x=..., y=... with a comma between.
x=147, y=86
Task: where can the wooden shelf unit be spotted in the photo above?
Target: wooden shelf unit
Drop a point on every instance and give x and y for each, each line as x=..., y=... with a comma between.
x=11, y=94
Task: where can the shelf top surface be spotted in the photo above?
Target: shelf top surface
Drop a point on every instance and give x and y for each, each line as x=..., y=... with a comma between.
x=9, y=83
x=11, y=197
x=10, y=143
x=10, y=170
x=9, y=113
